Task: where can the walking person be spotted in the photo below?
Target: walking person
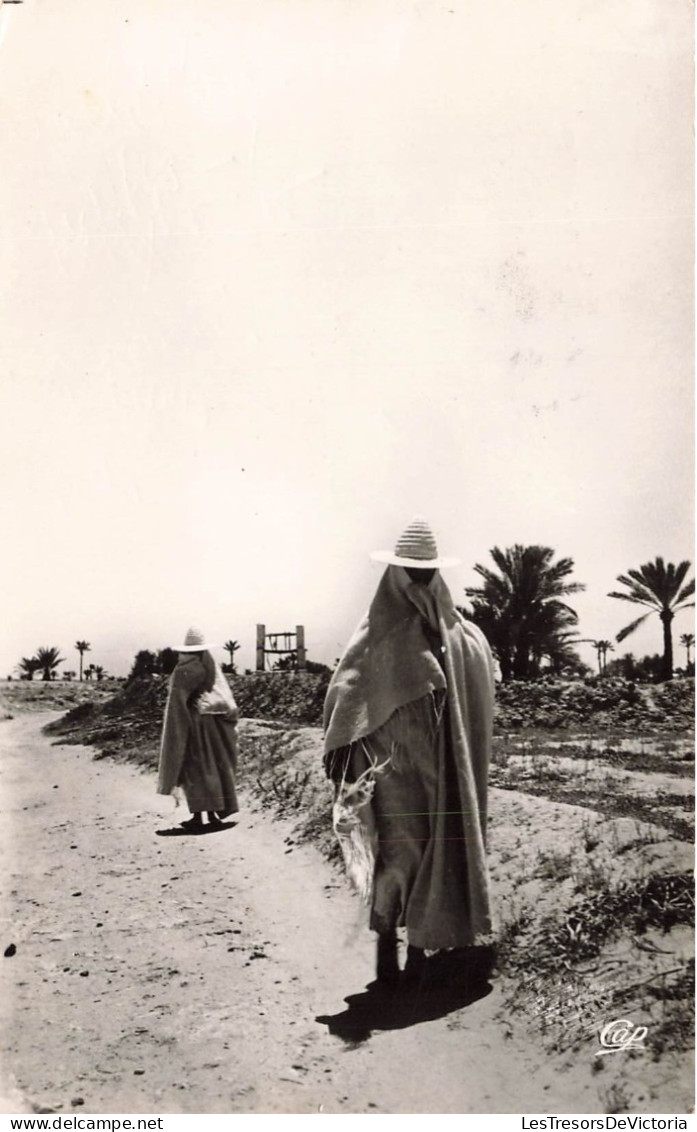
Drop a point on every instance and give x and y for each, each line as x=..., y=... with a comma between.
x=408, y=722
x=199, y=737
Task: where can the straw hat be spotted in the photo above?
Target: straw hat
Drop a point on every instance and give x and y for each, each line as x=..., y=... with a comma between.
x=193, y=642
x=415, y=547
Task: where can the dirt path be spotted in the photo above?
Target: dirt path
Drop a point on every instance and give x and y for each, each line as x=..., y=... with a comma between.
x=189, y=974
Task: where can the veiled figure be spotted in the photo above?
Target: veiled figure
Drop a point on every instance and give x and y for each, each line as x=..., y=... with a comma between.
x=408, y=724
x=199, y=749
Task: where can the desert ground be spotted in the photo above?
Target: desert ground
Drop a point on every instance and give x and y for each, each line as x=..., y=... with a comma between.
x=232, y=972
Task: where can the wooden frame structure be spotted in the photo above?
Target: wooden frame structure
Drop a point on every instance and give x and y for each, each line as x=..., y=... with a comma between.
x=281, y=644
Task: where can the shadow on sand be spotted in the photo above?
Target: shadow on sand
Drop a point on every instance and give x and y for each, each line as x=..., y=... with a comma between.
x=179, y=831
x=445, y=984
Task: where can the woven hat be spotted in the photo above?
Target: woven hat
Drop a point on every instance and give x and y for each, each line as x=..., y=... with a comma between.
x=415, y=547
x=194, y=642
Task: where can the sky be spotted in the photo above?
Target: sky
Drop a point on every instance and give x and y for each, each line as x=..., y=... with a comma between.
x=277, y=275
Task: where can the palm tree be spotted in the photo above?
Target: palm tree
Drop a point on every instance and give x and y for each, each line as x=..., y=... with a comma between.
x=520, y=609
x=602, y=648
x=82, y=647
x=48, y=661
x=231, y=647
x=688, y=640
x=560, y=653
x=27, y=666
x=659, y=586
x=552, y=637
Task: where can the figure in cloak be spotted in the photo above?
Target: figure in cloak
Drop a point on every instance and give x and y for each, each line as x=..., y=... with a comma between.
x=199, y=736
x=408, y=723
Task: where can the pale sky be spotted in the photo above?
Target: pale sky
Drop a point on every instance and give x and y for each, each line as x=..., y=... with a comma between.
x=276, y=275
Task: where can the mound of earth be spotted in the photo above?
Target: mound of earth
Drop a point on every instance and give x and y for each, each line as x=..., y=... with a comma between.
x=130, y=718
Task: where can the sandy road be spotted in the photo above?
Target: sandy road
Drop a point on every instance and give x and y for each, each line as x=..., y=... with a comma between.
x=200, y=974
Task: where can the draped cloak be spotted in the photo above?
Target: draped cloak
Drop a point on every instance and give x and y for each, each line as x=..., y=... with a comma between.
x=408, y=721
x=198, y=750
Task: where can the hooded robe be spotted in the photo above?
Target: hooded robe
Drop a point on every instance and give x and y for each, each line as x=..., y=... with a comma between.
x=198, y=751
x=408, y=722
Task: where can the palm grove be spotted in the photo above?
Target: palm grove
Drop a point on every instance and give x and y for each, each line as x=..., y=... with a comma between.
x=47, y=661
x=522, y=606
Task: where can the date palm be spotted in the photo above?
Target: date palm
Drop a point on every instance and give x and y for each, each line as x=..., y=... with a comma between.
x=661, y=586
x=48, y=660
x=231, y=647
x=602, y=648
x=82, y=647
x=27, y=666
x=520, y=607
x=688, y=640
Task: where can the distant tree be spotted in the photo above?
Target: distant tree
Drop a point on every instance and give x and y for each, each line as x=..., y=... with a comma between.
x=289, y=663
x=688, y=640
x=551, y=648
x=559, y=656
x=622, y=666
x=166, y=661
x=640, y=670
x=48, y=661
x=650, y=669
x=231, y=647
x=602, y=648
x=27, y=666
x=573, y=668
x=520, y=608
x=82, y=647
x=660, y=586
x=145, y=664
x=315, y=668
x=99, y=672
x=68, y=674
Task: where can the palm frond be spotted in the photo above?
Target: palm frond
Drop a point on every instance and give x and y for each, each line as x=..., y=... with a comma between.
x=686, y=591
x=681, y=572
x=633, y=598
x=624, y=633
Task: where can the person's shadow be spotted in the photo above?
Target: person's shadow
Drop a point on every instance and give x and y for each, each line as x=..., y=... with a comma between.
x=179, y=831
x=447, y=981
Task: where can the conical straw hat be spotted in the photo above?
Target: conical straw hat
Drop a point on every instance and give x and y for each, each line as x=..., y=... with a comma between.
x=415, y=547
x=194, y=642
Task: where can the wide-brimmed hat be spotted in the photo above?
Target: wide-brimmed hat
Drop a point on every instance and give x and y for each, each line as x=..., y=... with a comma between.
x=194, y=641
x=416, y=548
